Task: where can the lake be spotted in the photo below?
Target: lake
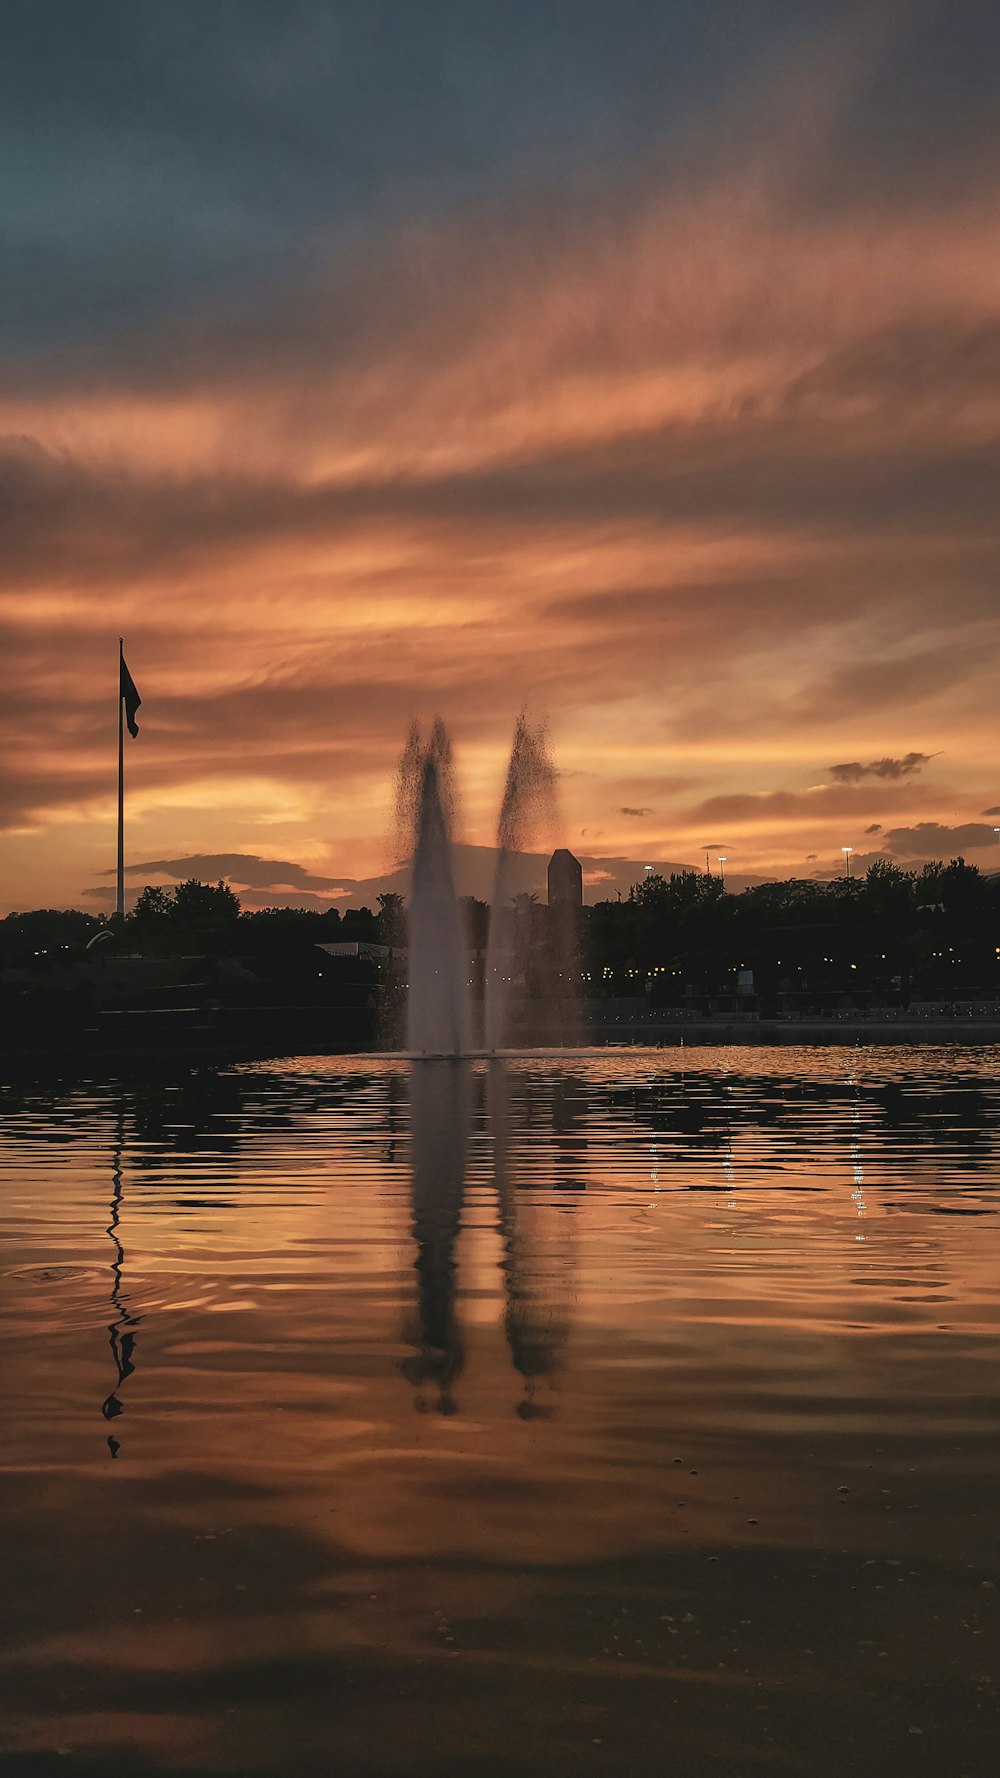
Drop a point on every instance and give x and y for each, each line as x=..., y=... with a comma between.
x=626, y=1412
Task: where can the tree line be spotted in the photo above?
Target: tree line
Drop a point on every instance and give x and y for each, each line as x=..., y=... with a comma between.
x=893, y=935
x=193, y=917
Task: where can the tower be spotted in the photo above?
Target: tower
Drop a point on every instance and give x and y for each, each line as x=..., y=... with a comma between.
x=565, y=879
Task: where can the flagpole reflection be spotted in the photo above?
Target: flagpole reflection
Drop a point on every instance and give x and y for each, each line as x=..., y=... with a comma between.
x=121, y=1328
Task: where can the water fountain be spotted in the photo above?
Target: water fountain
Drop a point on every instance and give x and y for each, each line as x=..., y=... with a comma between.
x=439, y=1014
x=438, y=1018
x=528, y=803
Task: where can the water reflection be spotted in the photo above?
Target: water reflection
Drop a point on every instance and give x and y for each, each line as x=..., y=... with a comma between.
x=537, y=1259
x=857, y=1163
x=759, y=1531
x=123, y=1324
x=535, y=1231
x=439, y=1110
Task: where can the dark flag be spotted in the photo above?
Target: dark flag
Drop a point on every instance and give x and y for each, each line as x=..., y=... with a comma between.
x=132, y=699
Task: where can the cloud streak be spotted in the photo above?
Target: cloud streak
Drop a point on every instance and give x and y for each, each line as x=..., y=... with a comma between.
x=853, y=772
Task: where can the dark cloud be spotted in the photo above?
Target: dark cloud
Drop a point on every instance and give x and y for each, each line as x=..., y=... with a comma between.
x=74, y=523
x=922, y=120
x=898, y=676
x=861, y=862
x=99, y=897
x=854, y=771
x=929, y=839
x=948, y=363
x=104, y=898
x=635, y=812
x=684, y=613
x=995, y=811
x=826, y=802
x=244, y=868
x=875, y=827
x=759, y=472
x=163, y=156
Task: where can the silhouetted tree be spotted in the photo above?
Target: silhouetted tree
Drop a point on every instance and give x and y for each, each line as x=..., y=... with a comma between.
x=391, y=919
x=36, y=935
x=153, y=912
x=893, y=934
x=204, y=905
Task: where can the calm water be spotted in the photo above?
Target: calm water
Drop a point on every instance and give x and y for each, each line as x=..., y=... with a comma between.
x=630, y=1414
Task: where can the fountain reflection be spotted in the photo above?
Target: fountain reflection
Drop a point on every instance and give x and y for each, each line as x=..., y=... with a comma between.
x=535, y=1230
x=439, y=1108
x=536, y=1271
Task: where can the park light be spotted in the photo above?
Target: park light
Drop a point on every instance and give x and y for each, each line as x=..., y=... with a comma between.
x=721, y=862
x=847, y=850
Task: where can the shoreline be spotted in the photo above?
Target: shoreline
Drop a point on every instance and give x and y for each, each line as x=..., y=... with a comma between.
x=768, y=1032
x=75, y=1063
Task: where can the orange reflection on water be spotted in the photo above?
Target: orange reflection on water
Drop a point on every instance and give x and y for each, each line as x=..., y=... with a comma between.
x=538, y=1376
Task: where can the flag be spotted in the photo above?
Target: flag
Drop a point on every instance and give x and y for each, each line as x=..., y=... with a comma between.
x=132, y=698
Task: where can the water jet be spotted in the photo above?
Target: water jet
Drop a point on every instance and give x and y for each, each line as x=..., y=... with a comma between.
x=439, y=1007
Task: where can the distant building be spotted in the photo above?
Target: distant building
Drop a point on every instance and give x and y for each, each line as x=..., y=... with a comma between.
x=565, y=879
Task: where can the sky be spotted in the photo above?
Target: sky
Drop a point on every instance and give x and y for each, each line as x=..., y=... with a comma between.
x=362, y=362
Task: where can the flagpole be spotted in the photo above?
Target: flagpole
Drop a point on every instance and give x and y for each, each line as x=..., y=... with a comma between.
x=121, y=785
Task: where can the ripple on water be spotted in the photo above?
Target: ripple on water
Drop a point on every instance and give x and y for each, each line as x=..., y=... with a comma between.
x=560, y=1397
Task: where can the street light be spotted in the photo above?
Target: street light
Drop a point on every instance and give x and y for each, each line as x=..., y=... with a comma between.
x=721, y=862
x=847, y=850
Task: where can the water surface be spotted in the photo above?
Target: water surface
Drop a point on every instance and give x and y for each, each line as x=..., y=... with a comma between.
x=619, y=1413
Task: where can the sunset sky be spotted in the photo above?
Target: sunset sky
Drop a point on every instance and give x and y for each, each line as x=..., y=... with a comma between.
x=371, y=359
